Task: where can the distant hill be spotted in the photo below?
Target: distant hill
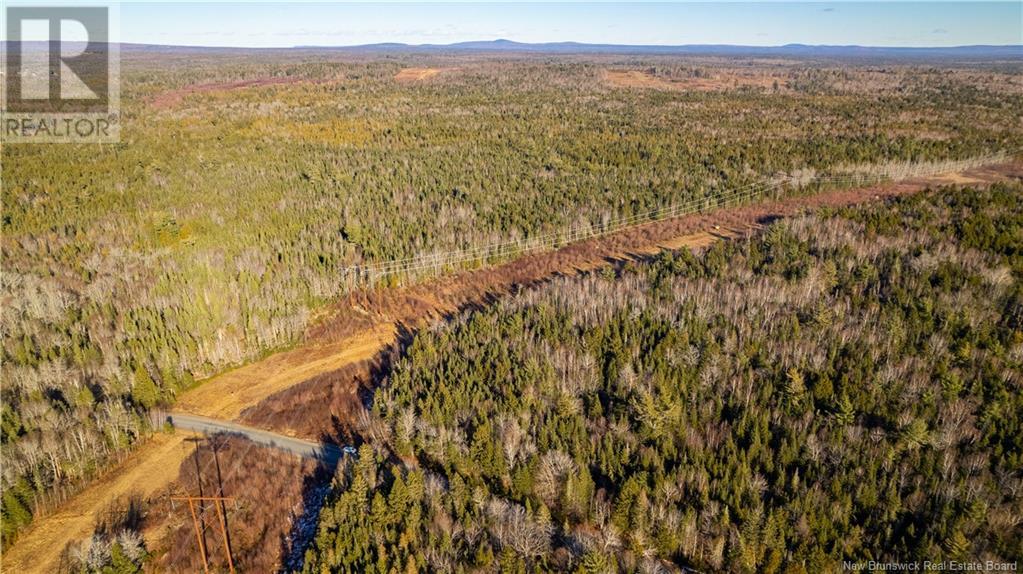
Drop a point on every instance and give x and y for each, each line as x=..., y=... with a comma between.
x=502, y=45
x=977, y=52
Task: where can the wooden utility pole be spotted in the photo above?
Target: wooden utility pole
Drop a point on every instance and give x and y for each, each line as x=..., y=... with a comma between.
x=221, y=510
x=198, y=519
x=218, y=502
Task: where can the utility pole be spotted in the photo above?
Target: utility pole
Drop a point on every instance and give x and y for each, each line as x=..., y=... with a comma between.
x=199, y=529
x=198, y=519
x=198, y=480
x=221, y=510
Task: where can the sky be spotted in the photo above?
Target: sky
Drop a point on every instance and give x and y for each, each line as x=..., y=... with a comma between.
x=765, y=23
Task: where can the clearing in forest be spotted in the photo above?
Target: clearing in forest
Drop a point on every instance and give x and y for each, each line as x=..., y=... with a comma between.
x=173, y=98
x=418, y=74
x=717, y=82
x=225, y=396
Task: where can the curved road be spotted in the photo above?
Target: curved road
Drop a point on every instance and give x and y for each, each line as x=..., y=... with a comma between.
x=327, y=453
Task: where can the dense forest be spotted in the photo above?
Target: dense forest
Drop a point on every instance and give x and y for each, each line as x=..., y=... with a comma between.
x=845, y=386
x=223, y=219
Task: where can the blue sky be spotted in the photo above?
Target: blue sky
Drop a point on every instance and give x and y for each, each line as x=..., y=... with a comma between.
x=762, y=23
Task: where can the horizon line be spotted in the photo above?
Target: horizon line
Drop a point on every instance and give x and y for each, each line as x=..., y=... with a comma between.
x=511, y=43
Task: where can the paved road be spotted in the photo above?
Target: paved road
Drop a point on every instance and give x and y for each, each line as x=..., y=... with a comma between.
x=328, y=453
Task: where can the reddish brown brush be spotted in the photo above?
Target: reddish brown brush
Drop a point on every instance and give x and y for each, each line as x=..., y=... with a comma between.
x=324, y=408
x=266, y=487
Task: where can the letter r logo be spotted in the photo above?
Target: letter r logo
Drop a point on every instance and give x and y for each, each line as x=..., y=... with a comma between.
x=58, y=59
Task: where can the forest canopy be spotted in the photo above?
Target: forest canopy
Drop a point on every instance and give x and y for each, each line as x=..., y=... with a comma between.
x=240, y=191
x=845, y=386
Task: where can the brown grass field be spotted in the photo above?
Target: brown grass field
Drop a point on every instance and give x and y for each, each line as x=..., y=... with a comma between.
x=226, y=395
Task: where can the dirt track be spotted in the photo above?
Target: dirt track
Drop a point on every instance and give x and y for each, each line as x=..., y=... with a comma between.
x=362, y=325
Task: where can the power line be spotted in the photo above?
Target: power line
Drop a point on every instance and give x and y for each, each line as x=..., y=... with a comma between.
x=198, y=518
x=371, y=272
x=200, y=526
x=374, y=271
